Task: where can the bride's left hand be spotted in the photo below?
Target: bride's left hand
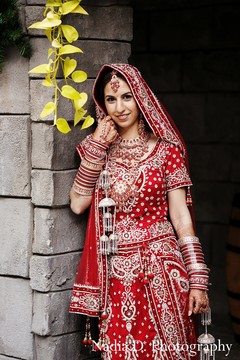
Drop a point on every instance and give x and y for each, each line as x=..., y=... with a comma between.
x=198, y=302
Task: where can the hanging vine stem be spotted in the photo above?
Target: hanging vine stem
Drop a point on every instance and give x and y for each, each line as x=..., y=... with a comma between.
x=61, y=37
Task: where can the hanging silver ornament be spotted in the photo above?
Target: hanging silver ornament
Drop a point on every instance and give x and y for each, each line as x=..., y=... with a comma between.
x=105, y=245
x=105, y=180
x=113, y=238
x=206, y=340
x=108, y=241
x=106, y=202
x=107, y=222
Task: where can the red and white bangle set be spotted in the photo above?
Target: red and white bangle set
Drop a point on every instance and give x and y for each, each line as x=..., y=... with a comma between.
x=194, y=260
x=90, y=168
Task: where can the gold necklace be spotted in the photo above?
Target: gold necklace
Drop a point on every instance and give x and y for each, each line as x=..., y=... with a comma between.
x=130, y=151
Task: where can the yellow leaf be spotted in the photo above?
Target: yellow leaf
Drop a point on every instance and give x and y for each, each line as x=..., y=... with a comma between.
x=47, y=110
x=69, y=49
x=79, y=114
x=48, y=34
x=79, y=76
x=79, y=10
x=50, y=15
x=56, y=44
x=56, y=3
x=62, y=125
x=35, y=25
x=70, y=33
x=69, y=6
x=41, y=69
x=50, y=52
x=69, y=66
x=70, y=93
x=78, y=104
x=46, y=24
x=47, y=81
x=87, y=122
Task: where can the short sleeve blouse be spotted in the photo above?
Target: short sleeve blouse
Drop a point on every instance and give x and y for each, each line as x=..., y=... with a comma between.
x=176, y=171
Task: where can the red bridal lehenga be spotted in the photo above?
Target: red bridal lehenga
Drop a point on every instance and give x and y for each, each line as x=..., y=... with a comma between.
x=140, y=294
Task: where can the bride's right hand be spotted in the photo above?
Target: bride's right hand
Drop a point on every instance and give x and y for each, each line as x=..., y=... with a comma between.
x=106, y=131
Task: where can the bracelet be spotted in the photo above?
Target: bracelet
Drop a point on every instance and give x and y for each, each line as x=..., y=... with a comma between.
x=193, y=257
x=188, y=240
x=93, y=156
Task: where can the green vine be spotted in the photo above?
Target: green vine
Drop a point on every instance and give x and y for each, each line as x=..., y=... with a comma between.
x=61, y=37
x=11, y=32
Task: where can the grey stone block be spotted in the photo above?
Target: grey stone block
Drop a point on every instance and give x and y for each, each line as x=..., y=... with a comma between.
x=189, y=30
x=188, y=112
x=222, y=118
x=213, y=238
x=168, y=4
x=15, y=165
x=213, y=201
x=41, y=95
x=14, y=85
x=58, y=231
x=235, y=164
x=64, y=347
x=54, y=150
x=207, y=162
x=117, y=21
x=140, y=26
x=161, y=72
x=93, y=2
x=225, y=26
x=96, y=53
x=51, y=188
x=53, y=273
x=210, y=71
x=58, y=320
x=16, y=318
x=16, y=236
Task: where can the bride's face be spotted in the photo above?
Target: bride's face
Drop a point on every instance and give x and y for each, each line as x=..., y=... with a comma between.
x=122, y=107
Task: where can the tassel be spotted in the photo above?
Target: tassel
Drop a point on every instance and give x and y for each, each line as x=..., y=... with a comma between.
x=104, y=245
x=114, y=243
x=108, y=241
x=206, y=340
x=107, y=222
x=105, y=180
x=88, y=338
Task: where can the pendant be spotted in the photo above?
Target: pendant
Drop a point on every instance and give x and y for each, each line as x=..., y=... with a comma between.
x=206, y=340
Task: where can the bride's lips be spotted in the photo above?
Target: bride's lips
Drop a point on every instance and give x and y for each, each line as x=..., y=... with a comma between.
x=123, y=117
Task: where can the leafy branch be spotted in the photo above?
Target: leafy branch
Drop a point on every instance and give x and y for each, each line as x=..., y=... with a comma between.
x=61, y=37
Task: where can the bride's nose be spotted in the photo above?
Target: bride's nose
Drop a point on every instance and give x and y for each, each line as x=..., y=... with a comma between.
x=119, y=106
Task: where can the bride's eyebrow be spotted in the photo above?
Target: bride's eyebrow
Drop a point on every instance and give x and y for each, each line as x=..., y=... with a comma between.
x=112, y=96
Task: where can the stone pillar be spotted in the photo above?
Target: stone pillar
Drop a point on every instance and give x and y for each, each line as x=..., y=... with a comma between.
x=41, y=239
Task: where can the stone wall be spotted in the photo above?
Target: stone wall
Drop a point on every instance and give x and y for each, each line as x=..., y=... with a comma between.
x=189, y=52
x=41, y=240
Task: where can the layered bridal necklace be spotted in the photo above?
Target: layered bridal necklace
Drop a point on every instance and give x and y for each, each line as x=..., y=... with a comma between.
x=130, y=151
x=124, y=189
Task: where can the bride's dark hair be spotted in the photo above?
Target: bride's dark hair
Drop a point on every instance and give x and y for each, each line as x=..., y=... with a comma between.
x=102, y=82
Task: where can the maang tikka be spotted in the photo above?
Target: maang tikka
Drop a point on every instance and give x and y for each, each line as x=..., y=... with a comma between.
x=114, y=82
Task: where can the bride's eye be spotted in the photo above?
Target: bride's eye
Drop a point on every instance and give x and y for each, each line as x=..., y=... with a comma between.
x=128, y=97
x=110, y=99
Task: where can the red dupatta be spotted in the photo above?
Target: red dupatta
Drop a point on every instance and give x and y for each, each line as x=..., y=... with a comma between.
x=89, y=292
